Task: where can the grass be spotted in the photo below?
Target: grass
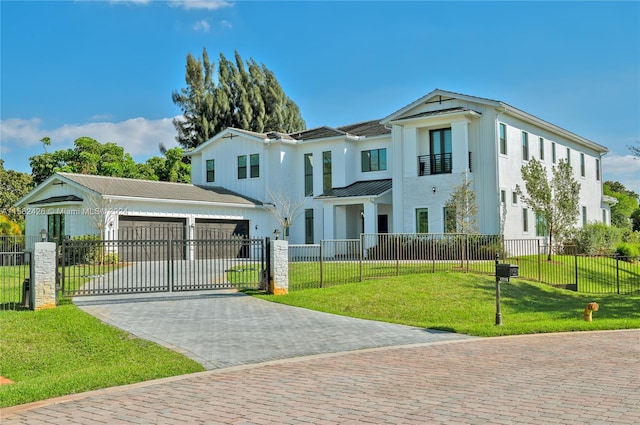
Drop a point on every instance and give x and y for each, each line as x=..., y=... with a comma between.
x=63, y=351
x=465, y=303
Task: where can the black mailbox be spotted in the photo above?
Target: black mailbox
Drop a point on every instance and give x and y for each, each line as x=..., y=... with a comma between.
x=506, y=270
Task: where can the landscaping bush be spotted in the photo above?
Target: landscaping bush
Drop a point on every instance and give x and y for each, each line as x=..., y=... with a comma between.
x=628, y=251
x=437, y=247
x=595, y=239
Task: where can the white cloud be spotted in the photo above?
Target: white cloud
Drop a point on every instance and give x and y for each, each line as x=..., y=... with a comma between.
x=624, y=169
x=138, y=136
x=200, y=4
x=225, y=24
x=202, y=25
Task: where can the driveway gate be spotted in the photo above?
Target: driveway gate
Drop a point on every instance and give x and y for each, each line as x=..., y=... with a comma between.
x=94, y=267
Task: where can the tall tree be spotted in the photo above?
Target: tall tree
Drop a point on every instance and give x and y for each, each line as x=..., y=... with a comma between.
x=462, y=208
x=13, y=186
x=623, y=209
x=556, y=201
x=108, y=159
x=247, y=96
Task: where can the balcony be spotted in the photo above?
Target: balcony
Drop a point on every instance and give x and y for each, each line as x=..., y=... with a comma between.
x=434, y=164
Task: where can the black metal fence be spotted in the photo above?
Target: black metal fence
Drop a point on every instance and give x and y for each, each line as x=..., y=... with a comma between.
x=15, y=271
x=384, y=255
x=95, y=267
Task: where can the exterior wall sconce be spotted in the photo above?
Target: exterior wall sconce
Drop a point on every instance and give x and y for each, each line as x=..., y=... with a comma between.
x=433, y=189
x=43, y=235
x=276, y=234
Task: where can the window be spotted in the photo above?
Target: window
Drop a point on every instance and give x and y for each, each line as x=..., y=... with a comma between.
x=541, y=226
x=254, y=160
x=308, y=226
x=211, y=170
x=503, y=139
x=503, y=196
x=55, y=227
x=525, y=220
x=597, y=169
x=553, y=152
x=422, y=220
x=568, y=156
x=604, y=216
x=308, y=174
x=242, y=167
x=525, y=146
x=374, y=160
x=514, y=198
x=582, y=164
x=440, y=144
x=326, y=171
x=449, y=215
x=541, y=149
x=584, y=216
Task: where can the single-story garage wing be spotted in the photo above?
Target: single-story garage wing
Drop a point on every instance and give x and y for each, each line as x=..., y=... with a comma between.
x=70, y=205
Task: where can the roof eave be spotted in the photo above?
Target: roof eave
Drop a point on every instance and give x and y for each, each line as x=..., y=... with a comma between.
x=558, y=130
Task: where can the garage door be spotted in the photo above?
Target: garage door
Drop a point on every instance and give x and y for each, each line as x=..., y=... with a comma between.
x=228, y=235
x=147, y=238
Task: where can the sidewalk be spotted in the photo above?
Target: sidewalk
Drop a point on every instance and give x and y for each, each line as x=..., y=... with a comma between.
x=571, y=378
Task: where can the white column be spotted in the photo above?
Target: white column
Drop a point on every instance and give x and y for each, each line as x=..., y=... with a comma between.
x=460, y=146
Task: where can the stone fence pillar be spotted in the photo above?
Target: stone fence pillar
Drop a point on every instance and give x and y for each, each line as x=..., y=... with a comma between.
x=279, y=279
x=43, y=276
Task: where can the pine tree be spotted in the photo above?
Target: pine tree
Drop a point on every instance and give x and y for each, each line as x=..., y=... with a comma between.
x=247, y=96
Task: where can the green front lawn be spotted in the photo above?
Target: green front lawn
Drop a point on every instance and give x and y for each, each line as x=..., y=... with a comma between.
x=465, y=303
x=63, y=351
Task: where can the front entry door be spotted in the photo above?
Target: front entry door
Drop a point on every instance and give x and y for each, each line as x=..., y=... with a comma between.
x=383, y=223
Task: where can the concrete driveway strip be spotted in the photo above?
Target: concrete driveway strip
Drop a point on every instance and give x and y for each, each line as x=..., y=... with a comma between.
x=226, y=328
x=576, y=378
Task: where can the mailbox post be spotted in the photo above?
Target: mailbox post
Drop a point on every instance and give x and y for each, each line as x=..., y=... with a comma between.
x=503, y=273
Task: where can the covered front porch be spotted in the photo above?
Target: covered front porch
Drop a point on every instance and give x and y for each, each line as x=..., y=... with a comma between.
x=362, y=207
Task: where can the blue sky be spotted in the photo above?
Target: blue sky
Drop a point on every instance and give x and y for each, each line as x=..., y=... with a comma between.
x=107, y=69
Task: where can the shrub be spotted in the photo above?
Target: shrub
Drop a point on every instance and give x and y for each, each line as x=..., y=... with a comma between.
x=629, y=251
x=595, y=239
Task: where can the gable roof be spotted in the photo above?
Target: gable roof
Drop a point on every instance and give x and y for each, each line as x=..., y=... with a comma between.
x=443, y=95
x=360, y=188
x=147, y=190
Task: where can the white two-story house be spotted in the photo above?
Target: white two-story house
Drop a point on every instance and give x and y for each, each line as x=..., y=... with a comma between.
x=395, y=175
x=390, y=175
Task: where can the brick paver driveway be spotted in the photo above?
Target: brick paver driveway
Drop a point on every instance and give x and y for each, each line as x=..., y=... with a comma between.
x=576, y=378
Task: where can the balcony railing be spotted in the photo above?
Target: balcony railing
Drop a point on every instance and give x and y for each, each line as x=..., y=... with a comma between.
x=434, y=164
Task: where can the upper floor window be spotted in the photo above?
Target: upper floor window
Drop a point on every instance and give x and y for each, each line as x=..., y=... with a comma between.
x=327, y=183
x=568, y=156
x=503, y=196
x=211, y=170
x=582, y=173
x=525, y=146
x=503, y=139
x=308, y=174
x=597, y=169
x=441, y=149
x=374, y=160
x=422, y=220
x=514, y=197
x=553, y=152
x=525, y=220
x=242, y=167
x=254, y=160
x=541, y=149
